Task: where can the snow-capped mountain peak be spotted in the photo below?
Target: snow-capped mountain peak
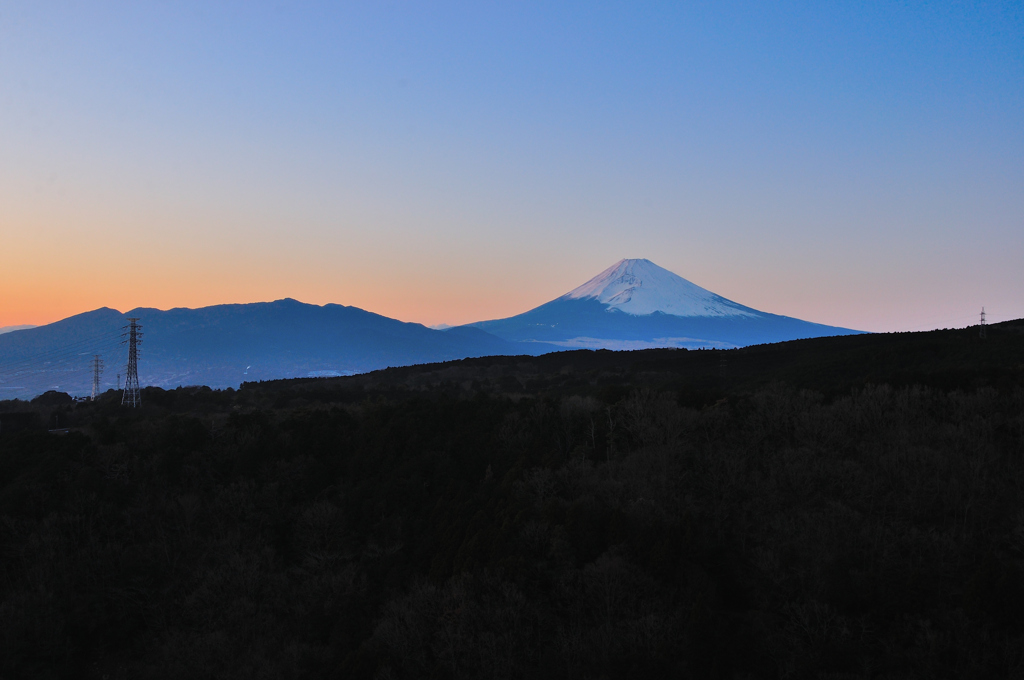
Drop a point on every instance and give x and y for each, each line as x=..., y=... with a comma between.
x=640, y=287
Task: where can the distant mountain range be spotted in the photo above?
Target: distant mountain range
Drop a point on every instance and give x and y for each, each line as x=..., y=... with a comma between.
x=225, y=345
x=8, y=329
x=633, y=304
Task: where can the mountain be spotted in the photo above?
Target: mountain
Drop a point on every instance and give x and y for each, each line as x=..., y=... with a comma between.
x=635, y=304
x=8, y=329
x=226, y=345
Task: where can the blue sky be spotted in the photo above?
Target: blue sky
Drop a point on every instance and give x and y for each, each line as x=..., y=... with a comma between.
x=858, y=164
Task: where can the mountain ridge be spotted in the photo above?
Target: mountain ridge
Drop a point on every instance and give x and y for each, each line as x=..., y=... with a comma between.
x=17, y=327
x=225, y=345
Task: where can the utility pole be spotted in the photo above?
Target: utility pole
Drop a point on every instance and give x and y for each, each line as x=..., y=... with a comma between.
x=981, y=326
x=97, y=368
x=133, y=336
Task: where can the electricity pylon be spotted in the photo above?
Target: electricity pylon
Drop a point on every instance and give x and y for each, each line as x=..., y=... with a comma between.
x=981, y=331
x=97, y=369
x=133, y=336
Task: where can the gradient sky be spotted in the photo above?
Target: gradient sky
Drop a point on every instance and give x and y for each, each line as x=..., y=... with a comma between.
x=856, y=164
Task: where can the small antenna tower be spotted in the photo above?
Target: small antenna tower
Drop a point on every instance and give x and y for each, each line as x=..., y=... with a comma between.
x=981, y=326
x=133, y=336
x=97, y=369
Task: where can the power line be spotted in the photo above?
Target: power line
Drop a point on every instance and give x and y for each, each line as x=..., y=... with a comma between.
x=78, y=346
x=51, y=370
x=29, y=373
x=966, y=321
x=936, y=322
x=54, y=360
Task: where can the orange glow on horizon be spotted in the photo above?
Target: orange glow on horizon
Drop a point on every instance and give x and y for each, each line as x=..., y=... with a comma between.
x=454, y=164
x=43, y=302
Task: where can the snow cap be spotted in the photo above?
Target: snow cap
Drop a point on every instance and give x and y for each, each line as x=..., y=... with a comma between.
x=640, y=287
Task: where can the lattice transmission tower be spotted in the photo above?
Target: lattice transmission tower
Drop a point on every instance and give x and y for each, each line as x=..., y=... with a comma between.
x=133, y=336
x=97, y=369
x=981, y=326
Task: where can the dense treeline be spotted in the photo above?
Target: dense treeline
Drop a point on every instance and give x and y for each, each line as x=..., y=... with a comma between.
x=473, y=521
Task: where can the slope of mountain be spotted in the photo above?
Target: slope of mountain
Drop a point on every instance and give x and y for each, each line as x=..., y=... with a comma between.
x=9, y=329
x=635, y=304
x=226, y=345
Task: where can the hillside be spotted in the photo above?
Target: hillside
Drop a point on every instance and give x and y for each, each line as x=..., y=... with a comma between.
x=835, y=507
x=946, y=359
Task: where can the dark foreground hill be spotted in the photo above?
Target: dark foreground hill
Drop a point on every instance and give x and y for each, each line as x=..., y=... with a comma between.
x=841, y=507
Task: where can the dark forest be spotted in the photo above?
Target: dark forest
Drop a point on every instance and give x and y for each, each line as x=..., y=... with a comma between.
x=847, y=507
